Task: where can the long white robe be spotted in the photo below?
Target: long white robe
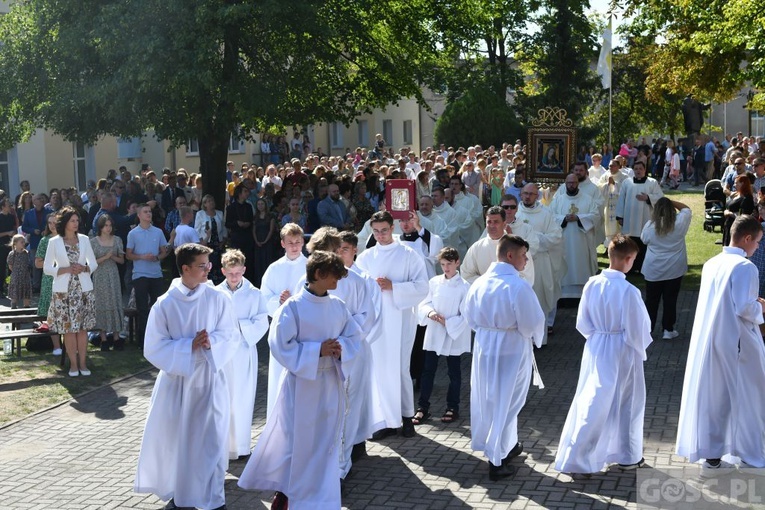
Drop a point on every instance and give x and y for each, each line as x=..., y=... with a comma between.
x=636, y=213
x=447, y=298
x=610, y=194
x=283, y=274
x=242, y=371
x=549, y=266
x=184, y=451
x=455, y=222
x=505, y=314
x=723, y=406
x=605, y=421
x=362, y=301
x=298, y=451
x=579, y=241
x=472, y=205
x=398, y=322
x=484, y=252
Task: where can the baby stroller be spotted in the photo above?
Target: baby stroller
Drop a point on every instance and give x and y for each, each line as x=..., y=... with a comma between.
x=714, y=205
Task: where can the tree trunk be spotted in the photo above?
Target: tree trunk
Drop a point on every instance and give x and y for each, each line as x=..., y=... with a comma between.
x=213, y=154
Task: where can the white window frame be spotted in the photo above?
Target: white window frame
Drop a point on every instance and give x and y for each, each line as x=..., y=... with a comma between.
x=236, y=144
x=362, y=128
x=76, y=161
x=387, y=132
x=758, y=123
x=336, y=130
x=192, y=147
x=407, y=135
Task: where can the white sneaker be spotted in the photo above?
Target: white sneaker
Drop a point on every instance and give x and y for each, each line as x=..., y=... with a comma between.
x=752, y=470
x=74, y=373
x=722, y=469
x=57, y=352
x=85, y=372
x=669, y=335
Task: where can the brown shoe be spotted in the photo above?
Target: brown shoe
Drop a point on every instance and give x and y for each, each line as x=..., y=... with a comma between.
x=280, y=501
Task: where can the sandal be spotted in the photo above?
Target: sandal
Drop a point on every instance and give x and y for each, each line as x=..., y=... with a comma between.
x=450, y=415
x=422, y=415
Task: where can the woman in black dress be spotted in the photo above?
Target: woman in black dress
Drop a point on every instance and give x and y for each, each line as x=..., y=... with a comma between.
x=239, y=218
x=740, y=202
x=8, y=226
x=264, y=230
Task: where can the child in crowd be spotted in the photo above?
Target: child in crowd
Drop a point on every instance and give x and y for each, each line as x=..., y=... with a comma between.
x=605, y=421
x=279, y=283
x=20, y=289
x=298, y=453
x=447, y=334
x=242, y=370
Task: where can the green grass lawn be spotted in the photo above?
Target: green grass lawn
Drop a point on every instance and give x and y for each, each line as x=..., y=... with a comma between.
x=35, y=381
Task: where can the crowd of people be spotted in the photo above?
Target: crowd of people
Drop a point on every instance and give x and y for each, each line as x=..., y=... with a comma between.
x=360, y=315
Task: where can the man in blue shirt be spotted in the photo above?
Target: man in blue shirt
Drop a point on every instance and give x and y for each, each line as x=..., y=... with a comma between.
x=146, y=247
x=709, y=158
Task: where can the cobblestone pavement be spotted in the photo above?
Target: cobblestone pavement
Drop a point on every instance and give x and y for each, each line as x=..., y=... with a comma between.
x=83, y=454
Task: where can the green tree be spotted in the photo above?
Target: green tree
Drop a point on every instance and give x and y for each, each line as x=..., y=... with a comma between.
x=201, y=68
x=560, y=59
x=479, y=116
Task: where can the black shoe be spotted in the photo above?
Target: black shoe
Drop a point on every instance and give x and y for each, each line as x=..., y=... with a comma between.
x=172, y=506
x=359, y=451
x=119, y=345
x=222, y=507
x=382, y=434
x=630, y=467
x=280, y=501
x=517, y=450
x=407, y=430
x=499, y=472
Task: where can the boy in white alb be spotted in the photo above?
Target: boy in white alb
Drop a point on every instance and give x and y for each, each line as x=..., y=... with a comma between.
x=447, y=334
x=504, y=312
x=297, y=454
x=242, y=370
x=280, y=281
x=605, y=421
x=190, y=336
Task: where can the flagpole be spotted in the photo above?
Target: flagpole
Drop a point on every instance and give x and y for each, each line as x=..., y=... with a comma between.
x=610, y=112
x=611, y=83
x=605, y=66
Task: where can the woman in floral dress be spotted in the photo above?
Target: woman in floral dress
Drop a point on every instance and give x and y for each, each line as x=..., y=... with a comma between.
x=106, y=281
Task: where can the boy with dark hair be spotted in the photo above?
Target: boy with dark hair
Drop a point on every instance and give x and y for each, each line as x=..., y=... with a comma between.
x=297, y=454
x=191, y=335
x=447, y=334
x=605, y=421
x=723, y=405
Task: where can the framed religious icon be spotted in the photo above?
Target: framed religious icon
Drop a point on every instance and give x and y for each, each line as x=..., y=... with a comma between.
x=551, y=147
x=400, y=198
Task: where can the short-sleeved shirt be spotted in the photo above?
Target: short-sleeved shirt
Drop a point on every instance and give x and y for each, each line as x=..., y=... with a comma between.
x=146, y=241
x=185, y=234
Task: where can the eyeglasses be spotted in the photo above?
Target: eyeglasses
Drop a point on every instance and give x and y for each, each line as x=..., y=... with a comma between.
x=205, y=267
x=510, y=206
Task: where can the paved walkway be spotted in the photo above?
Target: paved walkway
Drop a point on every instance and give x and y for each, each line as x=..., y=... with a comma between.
x=83, y=454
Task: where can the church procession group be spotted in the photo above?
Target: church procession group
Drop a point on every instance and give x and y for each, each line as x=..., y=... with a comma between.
x=350, y=326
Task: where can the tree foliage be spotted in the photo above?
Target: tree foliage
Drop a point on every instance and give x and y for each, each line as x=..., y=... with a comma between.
x=198, y=69
x=479, y=116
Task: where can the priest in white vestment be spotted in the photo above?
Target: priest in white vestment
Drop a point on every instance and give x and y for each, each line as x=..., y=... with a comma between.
x=471, y=204
x=403, y=279
x=455, y=221
x=723, y=406
x=483, y=253
x=365, y=234
x=191, y=335
x=298, y=452
x=635, y=206
x=610, y=184
x=587, y=188
x=605, y=422
x=242, y=370
x=280, y=281
x=505, y=314
x=577, y=214
x=549, y=266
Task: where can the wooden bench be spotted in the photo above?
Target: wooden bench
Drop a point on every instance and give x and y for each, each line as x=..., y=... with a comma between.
x=18, y=311
x=16, y=336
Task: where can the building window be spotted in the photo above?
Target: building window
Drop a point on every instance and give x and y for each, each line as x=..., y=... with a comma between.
x=407, y=131
x=129, y=148
x=388, y=132
x=758, y=123
x=336, y=135
x=235, y=142
x=4, y=170
x=192, y=147
x=363, y=127
x=80, y=166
